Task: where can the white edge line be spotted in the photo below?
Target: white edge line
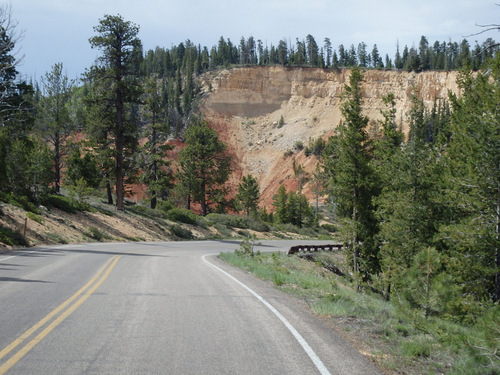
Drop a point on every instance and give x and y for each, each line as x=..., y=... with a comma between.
x=307, y=348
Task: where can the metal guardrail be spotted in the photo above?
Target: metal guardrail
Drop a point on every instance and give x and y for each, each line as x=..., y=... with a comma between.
x=313, y=248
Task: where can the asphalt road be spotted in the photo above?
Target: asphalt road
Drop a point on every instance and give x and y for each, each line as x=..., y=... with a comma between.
x=156, y=308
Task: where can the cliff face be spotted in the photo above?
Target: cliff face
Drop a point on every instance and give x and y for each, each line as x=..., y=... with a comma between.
x=247, y=104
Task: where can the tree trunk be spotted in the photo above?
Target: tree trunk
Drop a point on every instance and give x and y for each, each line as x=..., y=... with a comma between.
x=109, y=192
x=203, y=195
x=154, y=167
x=119, y=145
x=119, y=174
x=153, y=199
x=57, y=164
x=496, y=292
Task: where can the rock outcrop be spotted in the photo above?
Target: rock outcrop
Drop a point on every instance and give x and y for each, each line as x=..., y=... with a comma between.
x=264, y=113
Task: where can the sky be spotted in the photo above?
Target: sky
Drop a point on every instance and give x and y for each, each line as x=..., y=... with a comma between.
x=57, y=31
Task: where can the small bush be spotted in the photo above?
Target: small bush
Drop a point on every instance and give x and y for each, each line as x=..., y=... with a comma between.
x=290, y=228
x=148, y=211
x=12, y=238
x=182, y=215
x=20, y=201
x=278, y=279
x=34, y=217
x=329, y=227
x=224, y=231
x=315, y=146
x=228, y=220
x=66, y=204
x=181, y=232
x=281, y=123
x=307, y=232
x=299, y=145
x=164, y=206
x=56, y=238
x=258, y=225
x=246, y=247
x=418, y=346
x=96, y=234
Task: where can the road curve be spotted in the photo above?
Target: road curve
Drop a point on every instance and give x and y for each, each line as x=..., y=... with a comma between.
x=157, y=308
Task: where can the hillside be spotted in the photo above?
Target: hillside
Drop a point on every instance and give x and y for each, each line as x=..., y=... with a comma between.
x=246, y=105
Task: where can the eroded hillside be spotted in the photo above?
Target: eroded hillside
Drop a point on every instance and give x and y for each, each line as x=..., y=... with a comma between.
x=247, y=104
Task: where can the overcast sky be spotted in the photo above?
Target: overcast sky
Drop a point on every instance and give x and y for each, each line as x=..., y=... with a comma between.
x=57, y=31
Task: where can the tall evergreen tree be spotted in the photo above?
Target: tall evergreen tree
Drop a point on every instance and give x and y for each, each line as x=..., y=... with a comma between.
x=16, y=97
x=249, y=194
x=328, y=52
x=473, y=185
x=118, y=70
x=347, y=162
x=204, y=165
x=312, y=50
x=280, y=205
x=53, y=122
x=152, y=157
x=409, y=207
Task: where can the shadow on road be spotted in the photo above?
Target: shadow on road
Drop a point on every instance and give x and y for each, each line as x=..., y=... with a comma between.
x=17, y=280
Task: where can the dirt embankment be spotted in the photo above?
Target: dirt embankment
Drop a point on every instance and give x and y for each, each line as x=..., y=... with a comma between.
x=264, y=112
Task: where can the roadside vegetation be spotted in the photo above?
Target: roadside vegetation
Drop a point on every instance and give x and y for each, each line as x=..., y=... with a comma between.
x=395, y=335
x=166, y=220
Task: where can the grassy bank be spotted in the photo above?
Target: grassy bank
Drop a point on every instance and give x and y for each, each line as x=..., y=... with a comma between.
x=397, y=339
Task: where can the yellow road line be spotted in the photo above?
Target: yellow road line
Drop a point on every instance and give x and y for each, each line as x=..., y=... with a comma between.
x=104, y=271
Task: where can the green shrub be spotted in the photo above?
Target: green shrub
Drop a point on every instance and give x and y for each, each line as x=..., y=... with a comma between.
x=288, y=228
x=97, y=235
x=307, y=232
x=224, y=231
x=257, y=225
x=12, y=238
x=34, y=217
x=417, y=346
x=181, y=232
x=147, y=211
x=182, y=215
x=228, y=220
x=66, y=204
x=315, y=146
x=20, y=201
x=281, y=122
x=329, y=227
x=299, y=145
x=164, y=206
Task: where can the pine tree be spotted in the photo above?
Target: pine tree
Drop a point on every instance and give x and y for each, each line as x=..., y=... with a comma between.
x=352, y=185
x=280, y=201
x=249, y=194
x=53, y=116
x=409, y=208
x=204, y=165
x=152, y=156
x=473, y=185
x=115, y=83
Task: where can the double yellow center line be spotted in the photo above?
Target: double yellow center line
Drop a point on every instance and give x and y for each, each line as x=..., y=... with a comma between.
x=55, y=317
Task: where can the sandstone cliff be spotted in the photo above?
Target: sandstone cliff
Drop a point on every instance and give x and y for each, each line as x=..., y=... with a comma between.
x=246, y=105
